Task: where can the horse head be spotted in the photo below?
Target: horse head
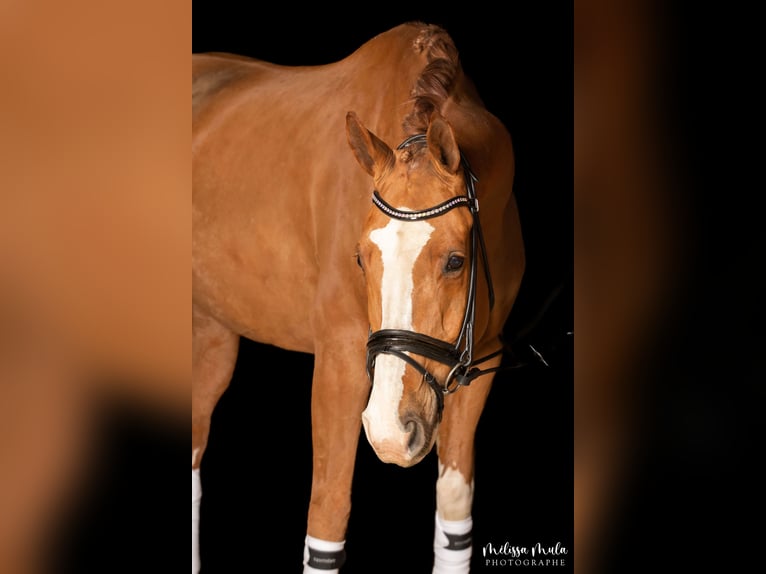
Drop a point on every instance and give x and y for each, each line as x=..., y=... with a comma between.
x=415, y=252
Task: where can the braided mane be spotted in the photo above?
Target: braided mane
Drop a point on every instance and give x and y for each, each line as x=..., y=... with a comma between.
x=435, y=83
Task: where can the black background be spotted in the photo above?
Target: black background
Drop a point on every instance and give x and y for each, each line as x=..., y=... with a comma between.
x=256, y=473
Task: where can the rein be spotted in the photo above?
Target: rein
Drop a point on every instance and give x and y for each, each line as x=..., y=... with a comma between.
x=458, y=355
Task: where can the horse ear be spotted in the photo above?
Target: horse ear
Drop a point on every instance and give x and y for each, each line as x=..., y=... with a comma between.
x=371, y=152
x=442, y=143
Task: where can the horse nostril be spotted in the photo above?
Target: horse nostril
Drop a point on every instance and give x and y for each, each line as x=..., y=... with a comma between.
x=415, y=430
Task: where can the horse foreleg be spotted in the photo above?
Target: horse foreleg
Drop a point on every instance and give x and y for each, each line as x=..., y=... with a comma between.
x=453, y=544
x=214, y=354
x=337, y=402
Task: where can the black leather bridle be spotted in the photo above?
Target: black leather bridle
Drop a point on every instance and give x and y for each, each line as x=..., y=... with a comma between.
x=405, y=344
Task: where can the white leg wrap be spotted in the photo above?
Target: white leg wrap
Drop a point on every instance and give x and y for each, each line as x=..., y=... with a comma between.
x=452, y=546
x=196, y=498
x=322, y=556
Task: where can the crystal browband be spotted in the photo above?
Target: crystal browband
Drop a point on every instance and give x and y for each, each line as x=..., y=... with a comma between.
x=471, y=203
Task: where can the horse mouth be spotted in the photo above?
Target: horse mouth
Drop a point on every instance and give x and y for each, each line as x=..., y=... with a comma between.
x=399, y=458
x=406, y=448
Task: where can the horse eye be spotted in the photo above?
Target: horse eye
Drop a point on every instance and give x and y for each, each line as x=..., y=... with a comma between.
x=454, y=263
x=359, y=262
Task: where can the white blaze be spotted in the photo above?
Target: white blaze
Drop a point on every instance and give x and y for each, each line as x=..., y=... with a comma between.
x=400, y=244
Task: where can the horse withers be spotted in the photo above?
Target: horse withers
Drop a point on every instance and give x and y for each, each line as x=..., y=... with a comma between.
x=361, y=211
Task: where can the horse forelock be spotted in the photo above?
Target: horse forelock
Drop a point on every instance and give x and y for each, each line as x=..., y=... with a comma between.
x=436, y=81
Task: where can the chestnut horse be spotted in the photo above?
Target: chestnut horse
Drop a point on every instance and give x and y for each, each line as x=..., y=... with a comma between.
x=389, y=247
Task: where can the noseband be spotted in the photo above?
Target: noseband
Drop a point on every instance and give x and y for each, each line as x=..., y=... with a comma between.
x=458, y=355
